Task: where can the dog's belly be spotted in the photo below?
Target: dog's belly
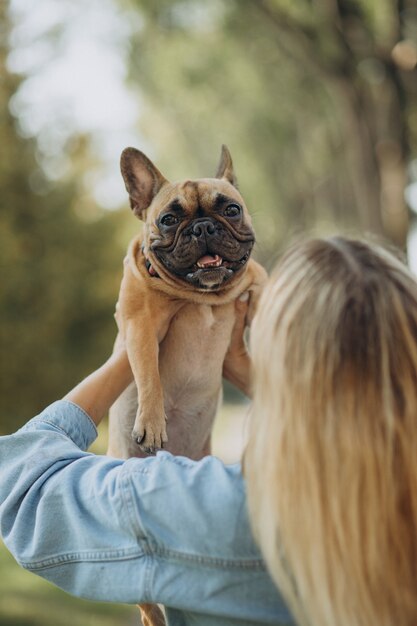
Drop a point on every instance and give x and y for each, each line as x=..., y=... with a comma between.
x=190, y=364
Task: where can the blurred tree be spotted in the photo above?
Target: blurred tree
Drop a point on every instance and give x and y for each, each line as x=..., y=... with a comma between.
x=317, y=101
x=60, y=265
x=353, y=48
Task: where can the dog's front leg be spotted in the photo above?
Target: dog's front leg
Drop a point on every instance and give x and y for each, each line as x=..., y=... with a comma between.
x=142, y=342
x=149, y=429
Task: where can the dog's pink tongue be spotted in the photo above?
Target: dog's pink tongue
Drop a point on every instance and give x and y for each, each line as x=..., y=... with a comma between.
x=208, y=260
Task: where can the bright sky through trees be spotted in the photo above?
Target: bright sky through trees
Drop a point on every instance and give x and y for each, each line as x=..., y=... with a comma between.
x=74, y=55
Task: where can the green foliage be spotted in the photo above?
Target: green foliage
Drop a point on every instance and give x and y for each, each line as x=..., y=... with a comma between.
x=59, y=276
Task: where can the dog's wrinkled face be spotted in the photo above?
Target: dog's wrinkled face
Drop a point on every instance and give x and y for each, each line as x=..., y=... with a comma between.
x=200, y=231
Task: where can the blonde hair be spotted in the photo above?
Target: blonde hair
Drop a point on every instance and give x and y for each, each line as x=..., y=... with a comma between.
x=332, y=462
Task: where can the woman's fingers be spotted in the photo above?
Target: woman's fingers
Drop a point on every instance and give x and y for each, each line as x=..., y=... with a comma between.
x=241, y=308
x=236, y=366
x=117, y=313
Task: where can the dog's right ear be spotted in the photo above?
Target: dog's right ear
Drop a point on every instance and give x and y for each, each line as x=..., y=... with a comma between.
x=142, y=180
x=225, y=168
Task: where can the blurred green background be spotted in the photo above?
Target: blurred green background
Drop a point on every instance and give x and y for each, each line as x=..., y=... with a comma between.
x=317, y=102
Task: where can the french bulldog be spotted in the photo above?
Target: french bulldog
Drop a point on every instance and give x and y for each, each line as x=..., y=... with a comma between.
x=176, y=305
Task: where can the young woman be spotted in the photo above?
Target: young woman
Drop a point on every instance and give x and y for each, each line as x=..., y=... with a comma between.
x=330, y=468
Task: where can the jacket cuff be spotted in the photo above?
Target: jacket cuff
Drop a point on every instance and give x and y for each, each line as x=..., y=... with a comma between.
x=67, y=418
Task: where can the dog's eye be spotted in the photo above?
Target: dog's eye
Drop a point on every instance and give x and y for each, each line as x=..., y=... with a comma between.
x=169, y=219
x=232, y=210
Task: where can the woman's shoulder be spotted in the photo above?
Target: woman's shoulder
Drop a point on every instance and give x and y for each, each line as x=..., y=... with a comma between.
x=193, y=507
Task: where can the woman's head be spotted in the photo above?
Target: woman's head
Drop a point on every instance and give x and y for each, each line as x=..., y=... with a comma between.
x=332, y=458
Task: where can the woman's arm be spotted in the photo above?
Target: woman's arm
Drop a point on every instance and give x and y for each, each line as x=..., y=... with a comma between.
x=96, y=393
x=162, y=529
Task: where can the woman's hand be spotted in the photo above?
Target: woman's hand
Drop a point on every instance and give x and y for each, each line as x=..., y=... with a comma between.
x=236, y=366
x=120, y=343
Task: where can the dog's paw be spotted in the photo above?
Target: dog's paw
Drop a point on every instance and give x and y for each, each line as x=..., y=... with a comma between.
x=150, y=434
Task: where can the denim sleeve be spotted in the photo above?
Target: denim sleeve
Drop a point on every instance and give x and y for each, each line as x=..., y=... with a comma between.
x=63, y=512
x=162, y=529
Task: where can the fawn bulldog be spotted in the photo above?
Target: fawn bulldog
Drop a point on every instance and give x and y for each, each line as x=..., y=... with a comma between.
x=176, y=310
x=176, y=305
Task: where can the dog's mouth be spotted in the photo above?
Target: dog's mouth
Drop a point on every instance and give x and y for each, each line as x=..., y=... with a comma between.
x=215, y=261
x=211, y=271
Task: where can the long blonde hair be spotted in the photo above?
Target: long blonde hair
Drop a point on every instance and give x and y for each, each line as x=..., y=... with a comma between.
x=332, y=461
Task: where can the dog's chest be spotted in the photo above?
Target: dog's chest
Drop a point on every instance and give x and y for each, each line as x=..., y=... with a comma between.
x=192, y=353
x=190, y=364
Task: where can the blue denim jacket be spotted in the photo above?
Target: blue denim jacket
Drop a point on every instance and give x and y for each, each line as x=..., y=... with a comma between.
x=163, y=529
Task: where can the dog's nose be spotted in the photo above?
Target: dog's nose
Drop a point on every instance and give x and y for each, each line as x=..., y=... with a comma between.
x=203, y=229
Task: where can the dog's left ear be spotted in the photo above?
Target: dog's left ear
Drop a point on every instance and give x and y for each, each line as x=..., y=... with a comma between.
x=225, y=168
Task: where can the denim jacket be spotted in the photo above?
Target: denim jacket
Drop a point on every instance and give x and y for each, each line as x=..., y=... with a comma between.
x=163, y=529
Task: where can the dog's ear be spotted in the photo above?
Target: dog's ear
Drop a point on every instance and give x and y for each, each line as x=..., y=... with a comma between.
x=142, y=180
x=225, y=168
